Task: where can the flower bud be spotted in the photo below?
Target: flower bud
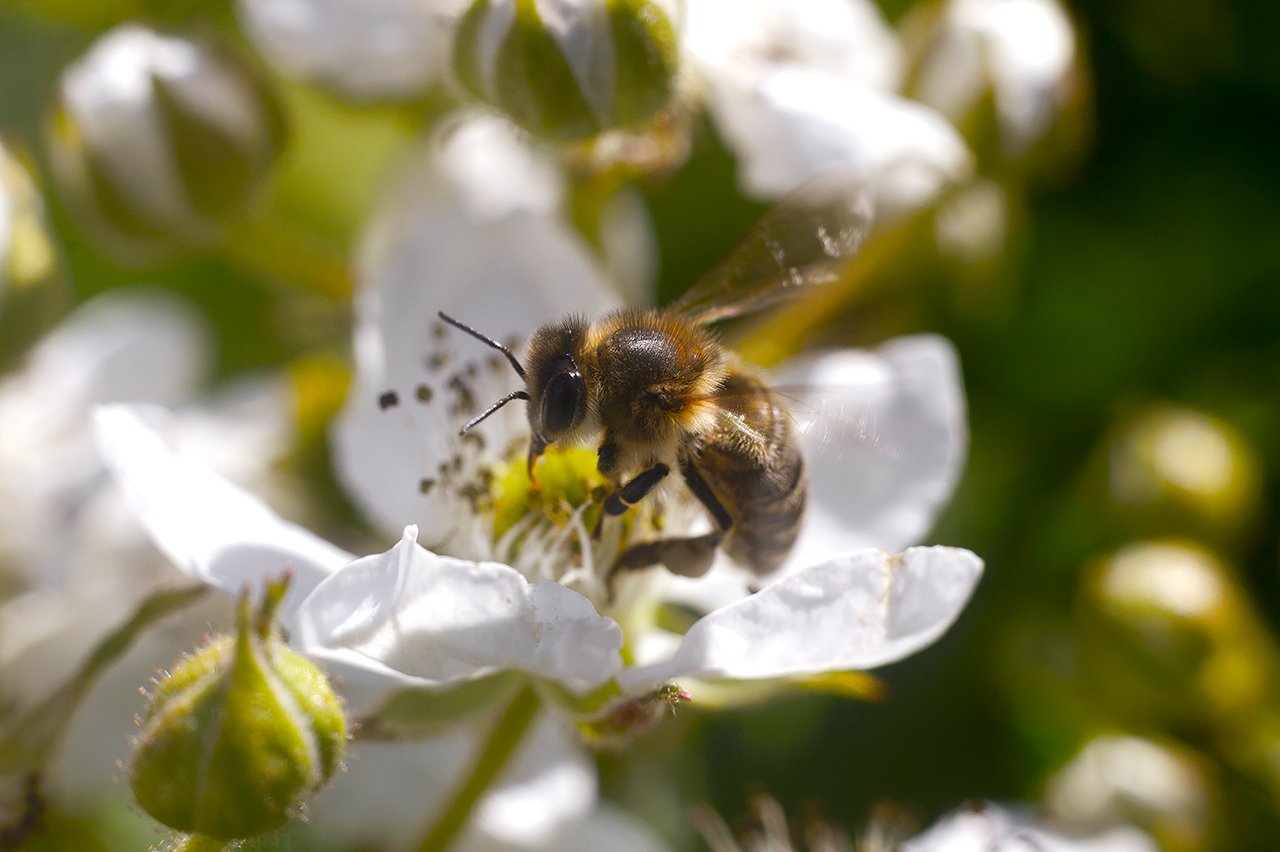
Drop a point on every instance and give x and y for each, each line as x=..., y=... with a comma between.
x=1168, y=634
x=1177, y=471
x=31, y=294
x=238, y=735
x=158, y=139
x=26, y=256
x=567, y=69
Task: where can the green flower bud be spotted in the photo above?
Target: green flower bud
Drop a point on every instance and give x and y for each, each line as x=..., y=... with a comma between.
x=567, y=69
x=32, y=294
x=1168, y=634
x=158, y=139
x=1173, y=471
x=239, y=735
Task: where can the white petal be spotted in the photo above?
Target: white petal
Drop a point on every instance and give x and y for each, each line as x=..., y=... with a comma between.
x=788, y=124
x=605, y=828
x=387, y=792
x=845, y=37
x=1024, y=50
x=210, y=528
x=884, y=447
x=133, y=344
x=857, y=611
x=129, y=345
x=999, y=829
x=552, y=784
x=442, y=619
x=391, y=791
x=370, y=48
x=503, y=276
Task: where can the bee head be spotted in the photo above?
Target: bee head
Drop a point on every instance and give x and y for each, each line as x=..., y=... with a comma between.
x=556, y=388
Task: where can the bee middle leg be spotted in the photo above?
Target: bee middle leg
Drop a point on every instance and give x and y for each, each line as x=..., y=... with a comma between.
x=631, y=493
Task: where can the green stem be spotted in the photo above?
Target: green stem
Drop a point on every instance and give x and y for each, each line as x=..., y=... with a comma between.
x=496, y=752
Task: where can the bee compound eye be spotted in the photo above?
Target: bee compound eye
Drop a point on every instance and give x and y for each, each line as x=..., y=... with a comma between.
x=563, y=402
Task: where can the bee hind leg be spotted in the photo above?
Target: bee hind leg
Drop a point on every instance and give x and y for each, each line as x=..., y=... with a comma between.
x=687, y=557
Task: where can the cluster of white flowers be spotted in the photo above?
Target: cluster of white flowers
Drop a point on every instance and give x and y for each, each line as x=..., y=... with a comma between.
x=470, y=587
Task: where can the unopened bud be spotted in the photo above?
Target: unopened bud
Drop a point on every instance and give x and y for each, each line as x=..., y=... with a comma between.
x=158, y=139
x=240, y=734
x=26, y=256
x=1174, y=471
x=1169, y=635
x=568, y=69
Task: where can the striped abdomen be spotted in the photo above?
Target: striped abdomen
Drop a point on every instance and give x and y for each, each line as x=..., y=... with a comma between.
x=752, y=465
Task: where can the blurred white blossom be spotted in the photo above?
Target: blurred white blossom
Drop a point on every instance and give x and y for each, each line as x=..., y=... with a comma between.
x=364, y=48
x=798, y=94
x=160, y=137
x=75, y=561
x=1116, y=779
x=993, y=828
x=1021, y=51
x=536, y=600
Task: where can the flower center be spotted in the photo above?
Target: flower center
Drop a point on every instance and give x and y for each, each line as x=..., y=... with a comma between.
x=550, y=529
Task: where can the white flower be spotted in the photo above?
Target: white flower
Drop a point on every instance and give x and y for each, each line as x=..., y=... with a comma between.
x=75, y=562
x=1024, y=51
x=993, y=828
x=222, y=535
x=796, y=92
x=1117, y=778
x=534, y=599
x=365, y=48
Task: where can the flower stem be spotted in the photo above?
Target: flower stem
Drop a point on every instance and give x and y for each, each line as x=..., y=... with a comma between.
x=506, y=736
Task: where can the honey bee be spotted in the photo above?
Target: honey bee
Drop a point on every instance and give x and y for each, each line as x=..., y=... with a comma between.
x=663, y=394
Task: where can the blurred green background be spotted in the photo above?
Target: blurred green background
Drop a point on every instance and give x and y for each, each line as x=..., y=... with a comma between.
x=1140, y=293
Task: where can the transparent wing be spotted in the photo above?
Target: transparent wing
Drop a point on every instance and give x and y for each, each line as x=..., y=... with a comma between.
x=800, y=243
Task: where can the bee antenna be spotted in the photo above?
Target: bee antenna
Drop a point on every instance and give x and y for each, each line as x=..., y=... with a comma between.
x=479, y=417
x=496, y=345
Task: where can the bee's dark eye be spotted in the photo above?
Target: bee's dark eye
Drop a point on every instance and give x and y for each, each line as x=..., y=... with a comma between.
x=564, y=401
